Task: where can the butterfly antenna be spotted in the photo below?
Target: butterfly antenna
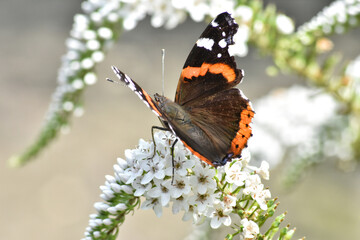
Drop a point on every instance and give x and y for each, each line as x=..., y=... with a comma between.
x=163, y=69
x=114, y=81
x=118, y=73
x=110, y=80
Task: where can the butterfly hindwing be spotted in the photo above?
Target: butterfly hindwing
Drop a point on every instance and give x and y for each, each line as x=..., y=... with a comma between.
x=219, y=125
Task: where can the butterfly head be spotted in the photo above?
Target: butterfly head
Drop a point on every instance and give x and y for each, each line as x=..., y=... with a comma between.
x=161, y=101
x=166, y=105
x=171, y=110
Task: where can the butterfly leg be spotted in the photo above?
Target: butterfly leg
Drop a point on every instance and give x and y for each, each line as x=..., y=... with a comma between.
x=152, y=136
x=173, y=161
x=172, y=149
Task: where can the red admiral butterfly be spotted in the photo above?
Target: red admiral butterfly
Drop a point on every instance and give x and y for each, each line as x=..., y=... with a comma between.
x=209, y=115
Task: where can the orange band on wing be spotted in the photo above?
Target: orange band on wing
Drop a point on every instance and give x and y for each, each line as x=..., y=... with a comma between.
x=244, y=133
x=217, y=68
x=197, y=154
x=151, y=102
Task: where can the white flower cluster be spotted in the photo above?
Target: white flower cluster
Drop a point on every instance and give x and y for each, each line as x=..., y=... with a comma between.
x=291, y=120
x=333, y=18
x=171, y=13
x=200, y=191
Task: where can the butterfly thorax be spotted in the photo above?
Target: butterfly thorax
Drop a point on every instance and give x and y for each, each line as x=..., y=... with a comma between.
x=172, y=112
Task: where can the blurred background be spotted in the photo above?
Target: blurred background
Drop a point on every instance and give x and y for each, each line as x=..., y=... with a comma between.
x=51, y=197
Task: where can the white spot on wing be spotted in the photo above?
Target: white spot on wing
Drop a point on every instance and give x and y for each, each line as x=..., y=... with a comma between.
x=205, y=43
x=139, y=95
x=127, y=79
x=214, y=24
x=132, y=86
x=147, y=104
x=155, y=112
x=219, y=55
x=223, y=34
x=222, y=43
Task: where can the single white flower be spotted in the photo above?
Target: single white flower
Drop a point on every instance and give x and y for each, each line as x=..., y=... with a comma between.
x=235, y=173
x=153, y=203
x=181, y=163
x=284, y=24
x=245, y=156
x=244, y=12
x=263, y=170
x=180, y=186
x=105, y=33
x=134, y=171
x=145, y=149
x=261, y=198
x=154, y=168
x=107, y=221
x=68, y=106
x=90, y=78
x=88, y=34
x=87, y=63
x=180, y=203
x=165, y=140
x=250, y=229
x=229, y=201
x=219, y=215
x=140, y=188
x=101, y=206
x=251, y=184
x=189, y=213
x=202, y=201
x=97, y=56
x=116, y=187
x=77, y=84
x=203, y=179
x=162, y=191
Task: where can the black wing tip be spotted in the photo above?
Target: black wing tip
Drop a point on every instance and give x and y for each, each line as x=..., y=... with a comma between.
x=115, y=69
x=226, y=17
x=225, y=22
x=118, y=73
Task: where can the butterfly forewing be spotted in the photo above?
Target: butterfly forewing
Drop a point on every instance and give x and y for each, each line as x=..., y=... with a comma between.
x=209, y=67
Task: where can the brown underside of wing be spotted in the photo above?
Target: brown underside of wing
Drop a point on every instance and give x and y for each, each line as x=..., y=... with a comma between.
x=224, y=118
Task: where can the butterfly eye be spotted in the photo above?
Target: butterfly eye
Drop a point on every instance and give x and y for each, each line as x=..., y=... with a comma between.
x=157, y=97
